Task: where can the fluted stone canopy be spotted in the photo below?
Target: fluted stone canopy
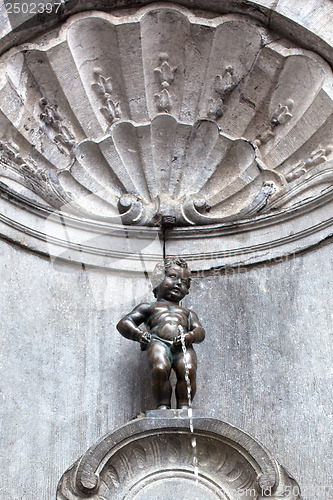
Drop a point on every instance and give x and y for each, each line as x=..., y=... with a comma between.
x=118, y=120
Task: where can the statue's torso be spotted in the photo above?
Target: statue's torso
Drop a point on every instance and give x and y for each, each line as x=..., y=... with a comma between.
x=164, y=320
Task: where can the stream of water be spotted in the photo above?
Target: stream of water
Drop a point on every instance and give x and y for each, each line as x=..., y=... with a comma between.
x=189, y=410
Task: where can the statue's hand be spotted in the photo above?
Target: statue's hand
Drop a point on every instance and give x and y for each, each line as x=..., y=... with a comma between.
x=188, y=340
x=145, y=340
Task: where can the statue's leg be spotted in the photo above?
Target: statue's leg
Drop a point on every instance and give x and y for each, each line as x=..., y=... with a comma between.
x=181, y=387
x=160, y=373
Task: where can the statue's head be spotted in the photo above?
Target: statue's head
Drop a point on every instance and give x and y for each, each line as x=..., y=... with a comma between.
x=171, y=279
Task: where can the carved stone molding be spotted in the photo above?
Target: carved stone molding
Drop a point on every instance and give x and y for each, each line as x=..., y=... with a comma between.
x=164, y=126
x=152, y=457
x=308, y=26
x=138, y=249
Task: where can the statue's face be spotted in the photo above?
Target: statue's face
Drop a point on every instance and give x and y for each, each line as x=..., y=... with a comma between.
x=175, y=285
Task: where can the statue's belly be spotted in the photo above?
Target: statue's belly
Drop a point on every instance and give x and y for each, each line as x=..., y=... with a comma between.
x=168, y=331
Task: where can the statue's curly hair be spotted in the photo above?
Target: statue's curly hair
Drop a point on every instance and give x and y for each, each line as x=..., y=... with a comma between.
x=160, y=268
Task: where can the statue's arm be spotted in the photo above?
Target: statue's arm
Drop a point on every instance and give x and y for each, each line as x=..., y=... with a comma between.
x=128, y=326
x=197, y=332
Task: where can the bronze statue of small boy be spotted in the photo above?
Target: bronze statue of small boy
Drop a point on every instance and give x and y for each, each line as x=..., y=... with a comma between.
x=165, y=322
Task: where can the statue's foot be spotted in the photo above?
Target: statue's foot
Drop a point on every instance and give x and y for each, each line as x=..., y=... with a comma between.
x=184, y=407
x=163, y=407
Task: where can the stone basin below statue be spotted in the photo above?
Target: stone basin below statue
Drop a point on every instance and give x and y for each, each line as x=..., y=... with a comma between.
x=152, y=458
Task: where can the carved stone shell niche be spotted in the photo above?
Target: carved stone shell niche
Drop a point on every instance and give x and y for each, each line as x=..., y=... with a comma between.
x=113, y=121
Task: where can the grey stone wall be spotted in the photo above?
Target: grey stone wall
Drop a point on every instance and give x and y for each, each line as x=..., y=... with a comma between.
x=67, y=377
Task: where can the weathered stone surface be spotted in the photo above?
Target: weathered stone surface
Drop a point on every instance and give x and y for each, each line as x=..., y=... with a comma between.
x=68, y=377
x=303, y=20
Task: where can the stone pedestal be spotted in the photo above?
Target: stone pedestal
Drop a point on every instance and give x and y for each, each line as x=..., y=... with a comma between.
x=154, y=457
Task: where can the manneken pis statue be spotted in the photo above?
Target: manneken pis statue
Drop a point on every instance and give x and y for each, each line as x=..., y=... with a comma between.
x=165, y=320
